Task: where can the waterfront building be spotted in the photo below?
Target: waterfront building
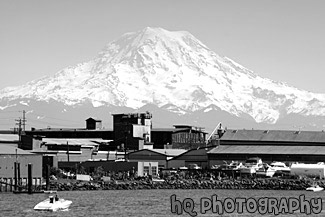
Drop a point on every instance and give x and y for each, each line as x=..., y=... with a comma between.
x=162, y=156
x=179, y=137
x=196, y=156
x=132, y=131
x=270, y=145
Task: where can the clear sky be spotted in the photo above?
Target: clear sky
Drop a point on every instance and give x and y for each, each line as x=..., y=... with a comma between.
x=282, y=40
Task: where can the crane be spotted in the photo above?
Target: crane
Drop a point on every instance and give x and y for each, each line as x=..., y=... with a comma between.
x=216, y=128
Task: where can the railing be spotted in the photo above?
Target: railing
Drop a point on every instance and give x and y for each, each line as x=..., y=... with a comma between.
x=8, y=184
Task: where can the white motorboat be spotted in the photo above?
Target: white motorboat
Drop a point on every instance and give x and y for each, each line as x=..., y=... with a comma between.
x=313, y=170
x=50, y=191
x=265, y=171
x=274, y=168
x=251, y=165
x=315, y=188
x=52, y=204
x=280, y=167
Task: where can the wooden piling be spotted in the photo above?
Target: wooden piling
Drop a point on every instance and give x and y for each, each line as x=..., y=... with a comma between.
x=47, y=176
x=18, y=176
x=30, y=179
x=15, y=176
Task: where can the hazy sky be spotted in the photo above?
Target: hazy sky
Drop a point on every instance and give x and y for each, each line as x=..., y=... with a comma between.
x=282, y=40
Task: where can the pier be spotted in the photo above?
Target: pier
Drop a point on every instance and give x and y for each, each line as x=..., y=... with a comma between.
x=19, y=184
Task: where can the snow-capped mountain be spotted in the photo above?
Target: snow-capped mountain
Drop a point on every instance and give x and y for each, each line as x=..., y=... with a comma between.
x=173, y=71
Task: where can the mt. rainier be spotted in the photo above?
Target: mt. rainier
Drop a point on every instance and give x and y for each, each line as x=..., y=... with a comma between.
x=174, y=72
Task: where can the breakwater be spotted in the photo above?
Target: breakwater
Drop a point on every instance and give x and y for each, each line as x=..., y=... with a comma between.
x=256, y=184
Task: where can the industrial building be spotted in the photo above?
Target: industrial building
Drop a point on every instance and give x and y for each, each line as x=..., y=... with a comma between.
x=197, y=156
x=270, y=145
x=132, y=131
x=7, y=137
x=141, y=168
x=155, y=155
x=179, y=137
x=93, y=124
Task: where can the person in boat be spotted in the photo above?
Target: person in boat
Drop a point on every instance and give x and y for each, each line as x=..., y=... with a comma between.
x=51, y=199
x=56, y=198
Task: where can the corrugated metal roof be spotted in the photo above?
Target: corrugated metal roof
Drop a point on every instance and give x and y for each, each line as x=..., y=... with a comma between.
x=172, y=130
x=197, y=151
x=9, y=149
x=268, y=149
x=162, y=129
x=275, y=135
x=69, y=130
x=166, y=152
x=9, y=137
x=81, y=142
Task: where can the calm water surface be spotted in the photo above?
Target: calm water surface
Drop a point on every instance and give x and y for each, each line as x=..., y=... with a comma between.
x=136, y=202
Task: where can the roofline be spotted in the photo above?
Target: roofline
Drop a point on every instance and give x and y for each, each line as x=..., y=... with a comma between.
x=193, y=149
x=31, y=153
x=69, y=130
x=153, y=151
x=272, y=141
x=148, y=150
x=314, y=131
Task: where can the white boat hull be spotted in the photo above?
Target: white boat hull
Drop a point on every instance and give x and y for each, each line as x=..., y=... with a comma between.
x=315, y=189
x=50, y=192
x=45, y=205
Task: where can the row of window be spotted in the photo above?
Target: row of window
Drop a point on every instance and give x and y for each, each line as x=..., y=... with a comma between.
x=153, y=170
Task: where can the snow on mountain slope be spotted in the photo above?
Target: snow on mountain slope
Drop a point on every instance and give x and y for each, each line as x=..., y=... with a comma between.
x=173, y=70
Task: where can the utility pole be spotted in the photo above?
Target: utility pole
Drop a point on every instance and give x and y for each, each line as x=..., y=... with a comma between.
x=125, y=146
x=19, y=130
x=24, y=120
x=68, y=154
x=126, y=133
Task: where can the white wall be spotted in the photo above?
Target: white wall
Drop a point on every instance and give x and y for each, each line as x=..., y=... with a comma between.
x=152, y=165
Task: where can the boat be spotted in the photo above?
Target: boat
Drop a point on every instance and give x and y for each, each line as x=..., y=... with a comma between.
x=280, y=167
x=53, y=204
x=50, y=191
x=315, y=188
x=235, y=165
x=265, y=171
x=274, y=169
x=309, y=170
x=251, y=165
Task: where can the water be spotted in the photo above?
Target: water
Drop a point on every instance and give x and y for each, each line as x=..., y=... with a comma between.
x=136, y=202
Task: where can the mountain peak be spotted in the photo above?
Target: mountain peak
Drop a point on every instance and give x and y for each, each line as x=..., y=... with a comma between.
x=161, y=67
x=152, y=45
x=153, y=31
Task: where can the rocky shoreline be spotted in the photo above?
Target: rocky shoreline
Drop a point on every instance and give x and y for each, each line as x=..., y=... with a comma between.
x=254, y=184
